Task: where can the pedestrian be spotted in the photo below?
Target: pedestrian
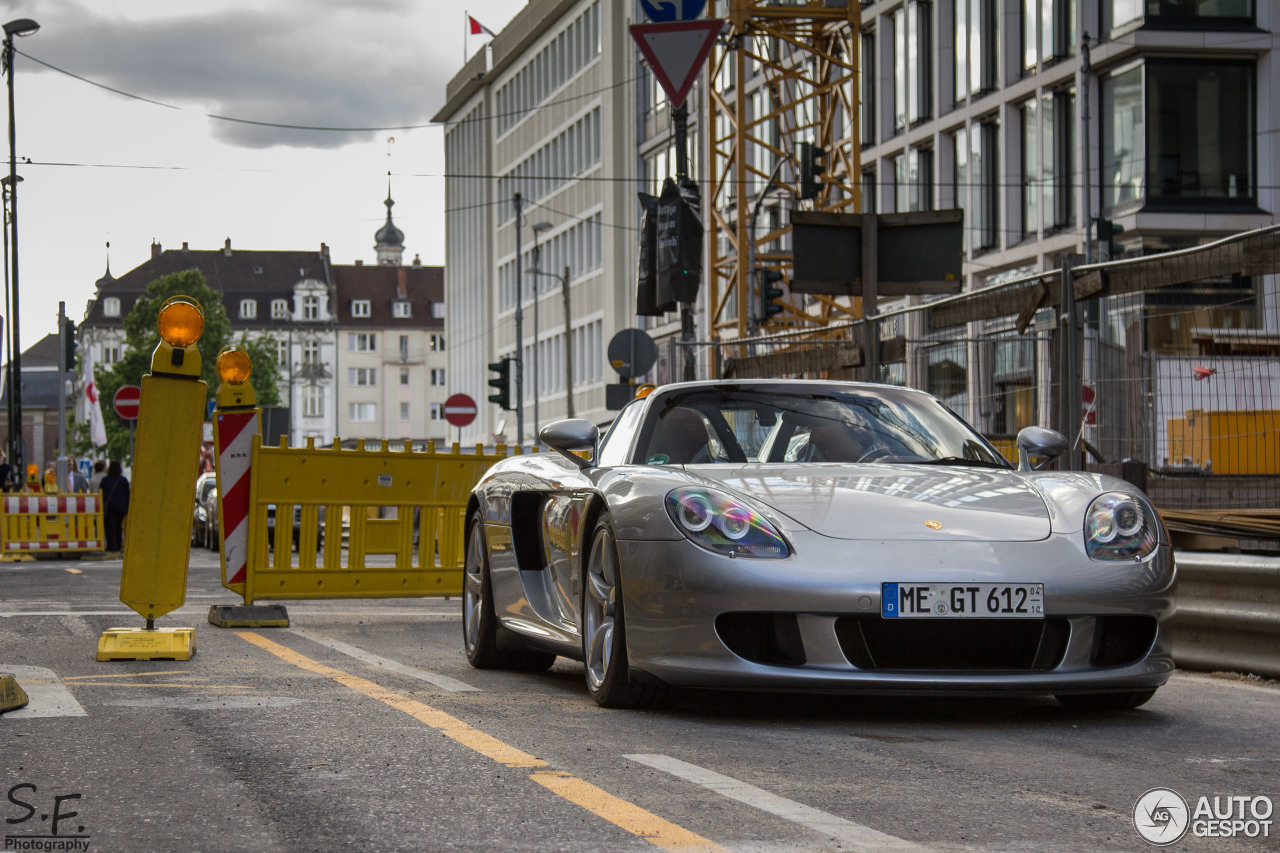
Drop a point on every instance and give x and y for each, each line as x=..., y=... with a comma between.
x=115, y=499
x=99, y=471
x=50, y=479
x=6, y=472
x=77, y=483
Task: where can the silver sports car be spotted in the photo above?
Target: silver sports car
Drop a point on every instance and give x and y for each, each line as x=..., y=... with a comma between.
x=819, y=536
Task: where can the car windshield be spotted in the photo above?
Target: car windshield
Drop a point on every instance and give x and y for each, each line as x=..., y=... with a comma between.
x=729, y=423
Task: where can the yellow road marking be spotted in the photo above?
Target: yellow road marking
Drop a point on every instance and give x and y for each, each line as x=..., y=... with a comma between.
x=74, y=571
x=160, y=684
x=127, y=675
x=627, y=815
x=619, y=812
x=486, y=745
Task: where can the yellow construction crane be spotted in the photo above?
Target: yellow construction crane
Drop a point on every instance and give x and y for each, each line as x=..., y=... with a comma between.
x=783, y=99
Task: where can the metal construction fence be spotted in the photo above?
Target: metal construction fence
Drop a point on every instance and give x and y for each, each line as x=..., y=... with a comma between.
x=1164, y=369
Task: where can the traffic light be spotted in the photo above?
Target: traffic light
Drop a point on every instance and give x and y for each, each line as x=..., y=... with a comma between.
x=501, y=382
x=813, y=162
x=769, y=292
x=1108, y=231
x=69, y=341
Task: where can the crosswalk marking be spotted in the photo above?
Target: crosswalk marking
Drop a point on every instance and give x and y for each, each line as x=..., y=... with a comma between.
x=48, y=696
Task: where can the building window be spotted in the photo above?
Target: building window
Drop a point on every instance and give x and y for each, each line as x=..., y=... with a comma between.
x=362, y=342
x=1048, y=31
x=867, y=106
x=437, y=376
x=976, y=187
x=1180, y=134
x=279, y=309
x=362, y=376
x=977, y=47
x=404, y=411
x=912, y=64
x=437, y=343
x=404, y=376
x=311, y=307
x=1048, y=162
x=248, y=309
x=313, y=401
x=401, y=309
x=282, y=353
x=311, y=352
x=404, y=348
x=437, y=310
x=869, y=192
x=362, y=413
x=361, y=308
x=111, y=353
x=913, y=180
x=1204, y=13
x=111, y=307
x=437, y=411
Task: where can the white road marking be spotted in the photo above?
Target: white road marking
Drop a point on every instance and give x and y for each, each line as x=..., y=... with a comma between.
x=48, y=696
x=444, y=682
x=862, y=838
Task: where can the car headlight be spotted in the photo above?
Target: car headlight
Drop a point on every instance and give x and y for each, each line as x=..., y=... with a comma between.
x=201, y=514
x=1119, y=527
x=723, y=524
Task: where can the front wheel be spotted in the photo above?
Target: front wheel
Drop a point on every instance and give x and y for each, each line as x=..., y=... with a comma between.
x=604, y=633
x=1091, y=702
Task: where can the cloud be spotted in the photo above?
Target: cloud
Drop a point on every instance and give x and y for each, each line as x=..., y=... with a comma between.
x=314, y=64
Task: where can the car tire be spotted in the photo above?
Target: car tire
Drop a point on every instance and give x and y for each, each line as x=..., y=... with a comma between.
x=480, y=623
x=604, y=633
x=1093, y=702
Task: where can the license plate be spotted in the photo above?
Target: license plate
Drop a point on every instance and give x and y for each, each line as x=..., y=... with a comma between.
x=972, y=600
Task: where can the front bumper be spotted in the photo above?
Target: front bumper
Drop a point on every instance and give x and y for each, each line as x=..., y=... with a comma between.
x=674, y=593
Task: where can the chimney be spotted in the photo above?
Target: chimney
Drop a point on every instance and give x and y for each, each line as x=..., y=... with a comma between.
x=417, y=261
x=226, y=247
x=155, y=250
x=359, y=262
x=402, y=291
x=324, y=251
x=185, y=248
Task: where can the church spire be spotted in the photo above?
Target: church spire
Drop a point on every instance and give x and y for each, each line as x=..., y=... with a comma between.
x=389, y=241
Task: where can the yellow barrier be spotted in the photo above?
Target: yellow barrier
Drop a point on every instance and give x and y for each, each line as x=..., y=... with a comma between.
x=1232, y=442
x=50, y=523
x=404, y=506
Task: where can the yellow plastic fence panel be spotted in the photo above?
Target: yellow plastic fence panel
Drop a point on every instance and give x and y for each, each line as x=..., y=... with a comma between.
x=404, y=512
x=63, y=523
x=1228, y=442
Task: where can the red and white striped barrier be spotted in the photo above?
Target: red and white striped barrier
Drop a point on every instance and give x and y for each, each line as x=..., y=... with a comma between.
x=50, y=523
x=233, y=439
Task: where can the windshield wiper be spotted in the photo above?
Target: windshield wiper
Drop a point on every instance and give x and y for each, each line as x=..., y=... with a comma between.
x=960, y=460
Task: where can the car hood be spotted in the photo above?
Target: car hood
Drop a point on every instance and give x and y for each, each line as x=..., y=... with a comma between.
x=901, y=502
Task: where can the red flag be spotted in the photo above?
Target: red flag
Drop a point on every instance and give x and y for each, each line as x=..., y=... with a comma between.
x=477, y=28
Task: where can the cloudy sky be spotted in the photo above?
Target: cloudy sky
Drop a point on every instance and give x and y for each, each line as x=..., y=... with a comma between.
x=155, y=164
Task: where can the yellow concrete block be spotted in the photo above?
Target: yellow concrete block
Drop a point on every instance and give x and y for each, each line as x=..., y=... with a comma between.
x=12, y=696
x=141, y=644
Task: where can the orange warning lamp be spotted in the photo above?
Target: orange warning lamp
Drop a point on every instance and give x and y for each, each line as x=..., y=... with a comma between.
x=233, y=365
x=181, y=322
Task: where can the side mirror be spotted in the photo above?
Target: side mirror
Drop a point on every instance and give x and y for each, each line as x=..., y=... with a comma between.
x=1043, y=443
x=569, y=435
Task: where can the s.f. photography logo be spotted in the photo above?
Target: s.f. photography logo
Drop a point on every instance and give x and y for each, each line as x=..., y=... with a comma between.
x=1162, y=816
x=35, y=821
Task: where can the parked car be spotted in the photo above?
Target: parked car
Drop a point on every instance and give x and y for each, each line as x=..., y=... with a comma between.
x=204, y=526
x=811, y=535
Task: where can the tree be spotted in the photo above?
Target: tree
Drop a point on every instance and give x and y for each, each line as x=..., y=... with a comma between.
x=142, y=337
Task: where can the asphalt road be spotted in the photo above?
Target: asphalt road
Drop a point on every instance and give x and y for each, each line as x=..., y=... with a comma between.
x=362, y=727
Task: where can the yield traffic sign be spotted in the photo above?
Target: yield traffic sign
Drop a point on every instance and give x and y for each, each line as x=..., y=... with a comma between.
x=460, y=410
x=677, y=51
x=126, y=402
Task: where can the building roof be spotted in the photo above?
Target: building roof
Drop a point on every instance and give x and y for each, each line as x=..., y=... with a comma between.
x=421, y=286
x=389, y=235
x=236, y=274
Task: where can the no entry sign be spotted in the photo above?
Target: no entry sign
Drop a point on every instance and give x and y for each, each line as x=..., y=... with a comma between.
x=460, y=410
x=126, y=402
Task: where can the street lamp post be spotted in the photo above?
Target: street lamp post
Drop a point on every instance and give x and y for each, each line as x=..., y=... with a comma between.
x=568, y=335
x=19, y=27
x=538, y=228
